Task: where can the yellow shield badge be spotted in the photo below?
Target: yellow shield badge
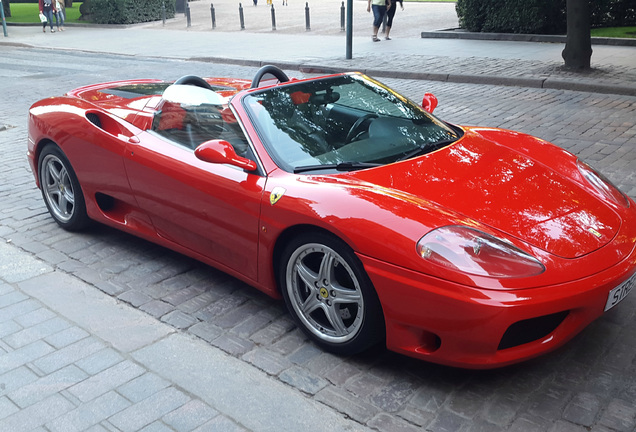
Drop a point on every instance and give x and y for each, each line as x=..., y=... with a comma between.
x=277, y=193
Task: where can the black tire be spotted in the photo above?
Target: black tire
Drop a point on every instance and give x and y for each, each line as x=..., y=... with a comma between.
x=61, y=189
x=329, y=294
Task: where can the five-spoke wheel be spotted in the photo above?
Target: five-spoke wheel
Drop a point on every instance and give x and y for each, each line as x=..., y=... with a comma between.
x=329, y=294
x=60, y=189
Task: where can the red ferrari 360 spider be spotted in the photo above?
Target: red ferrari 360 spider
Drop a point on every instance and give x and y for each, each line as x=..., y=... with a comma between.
x=376, y=221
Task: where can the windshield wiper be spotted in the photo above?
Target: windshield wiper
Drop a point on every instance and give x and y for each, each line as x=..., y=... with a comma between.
x=342, y=166
x=428, y=147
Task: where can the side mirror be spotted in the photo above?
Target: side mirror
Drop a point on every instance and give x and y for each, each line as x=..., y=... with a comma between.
x=429, y=103
x=222, y=152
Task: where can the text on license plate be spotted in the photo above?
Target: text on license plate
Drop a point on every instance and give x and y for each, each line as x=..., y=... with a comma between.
x=620, y=292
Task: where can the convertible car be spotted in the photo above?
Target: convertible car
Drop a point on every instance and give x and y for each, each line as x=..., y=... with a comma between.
x=376, y=221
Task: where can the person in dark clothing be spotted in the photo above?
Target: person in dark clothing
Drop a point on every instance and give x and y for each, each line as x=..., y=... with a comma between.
x=48, y=9
x=390, y=13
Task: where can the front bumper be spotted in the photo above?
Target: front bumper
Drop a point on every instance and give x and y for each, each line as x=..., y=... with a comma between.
x=457, y=325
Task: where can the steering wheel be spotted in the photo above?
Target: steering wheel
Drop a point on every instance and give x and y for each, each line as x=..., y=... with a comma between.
x=354, y=132
x=269, y=69
x=195, y=81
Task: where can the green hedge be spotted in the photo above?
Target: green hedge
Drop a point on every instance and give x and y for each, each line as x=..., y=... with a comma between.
x=538, y=16
x=127, y=11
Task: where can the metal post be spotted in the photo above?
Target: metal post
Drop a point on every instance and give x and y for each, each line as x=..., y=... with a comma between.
x=307, y=26
x=342, y=17
x=213, y=15
x=242, y=19
x=187, y=13
x=273, y=17
x=349, y=29
x=4, y=22
x=163, y=12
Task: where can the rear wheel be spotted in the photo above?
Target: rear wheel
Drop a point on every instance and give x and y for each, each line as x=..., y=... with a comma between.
x=61, y=189
x=330, y=295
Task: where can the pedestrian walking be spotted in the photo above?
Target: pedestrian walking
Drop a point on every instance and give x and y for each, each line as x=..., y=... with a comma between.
x=60, y=15
x=379, y=9
x=47, y=8
x=390, y=13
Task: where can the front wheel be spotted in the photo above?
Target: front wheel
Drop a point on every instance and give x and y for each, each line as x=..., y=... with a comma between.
x=61, y=189
x=330, y=295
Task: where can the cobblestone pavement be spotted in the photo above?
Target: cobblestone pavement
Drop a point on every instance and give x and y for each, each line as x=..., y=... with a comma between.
x=590, y=384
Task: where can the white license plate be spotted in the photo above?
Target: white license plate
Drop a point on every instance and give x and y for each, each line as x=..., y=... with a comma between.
x=620, y=292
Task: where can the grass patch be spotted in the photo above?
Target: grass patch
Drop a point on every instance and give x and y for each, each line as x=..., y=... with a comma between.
x=28, y=13
x=615, y=32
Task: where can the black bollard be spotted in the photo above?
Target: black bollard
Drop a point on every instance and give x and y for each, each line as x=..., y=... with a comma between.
x=213, y=15
x=187, y=13
x=307, y=26
x=241, y=16
x=273, y=17
x=342, y=17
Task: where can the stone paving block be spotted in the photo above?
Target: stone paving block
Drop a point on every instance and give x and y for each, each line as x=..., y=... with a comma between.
x=135, y=298
x=446, y=421
x=564, y=426
x=7, y=407
x=66, y=337
x=16, y=310
x=550, y=403
x=303, y=380
x=387, y=423
x=347, y=403
x=106, y=380
x=189, y=416
x=89, y=414
x=619, y=415
x=148, y=410
x=47, y=386
x=156, y=427
x=395, y=395
x=273, y=331
x=11, y=299
x=69, y=354
x=16, y=379
x=266, y=360
x=143, y=387
x=36, y=415
x=99, y=361
x=179, y=319
x=8, y=328
x=233, y=344
x=206, y=331
x=221, y=424
x=156, y=308
x=582, y=409
x=24, y=355
x=34, y=318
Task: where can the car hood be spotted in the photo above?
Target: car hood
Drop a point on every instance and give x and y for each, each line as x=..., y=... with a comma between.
x=506, y=189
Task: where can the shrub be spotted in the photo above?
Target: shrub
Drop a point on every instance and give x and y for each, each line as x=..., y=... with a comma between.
x=538, y=16
x=127, y=11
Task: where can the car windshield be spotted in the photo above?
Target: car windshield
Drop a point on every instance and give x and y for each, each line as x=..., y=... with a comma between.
x=342, y=123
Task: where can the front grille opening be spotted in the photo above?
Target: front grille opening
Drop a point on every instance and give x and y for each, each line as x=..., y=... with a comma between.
x=531, y=330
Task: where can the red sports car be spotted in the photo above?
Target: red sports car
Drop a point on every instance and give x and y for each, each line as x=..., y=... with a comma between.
x=376, y=221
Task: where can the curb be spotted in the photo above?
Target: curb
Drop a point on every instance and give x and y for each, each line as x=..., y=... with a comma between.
x=519, y=37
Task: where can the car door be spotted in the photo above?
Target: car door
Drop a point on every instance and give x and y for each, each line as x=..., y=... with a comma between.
x=211, y=209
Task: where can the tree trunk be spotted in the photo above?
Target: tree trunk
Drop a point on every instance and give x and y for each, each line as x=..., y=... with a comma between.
x=68, y=3
x=578, y=46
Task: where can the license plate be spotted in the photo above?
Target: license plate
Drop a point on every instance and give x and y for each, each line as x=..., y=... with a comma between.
x=620, y=292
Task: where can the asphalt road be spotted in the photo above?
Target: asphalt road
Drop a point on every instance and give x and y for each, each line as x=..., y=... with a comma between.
x=590, y=384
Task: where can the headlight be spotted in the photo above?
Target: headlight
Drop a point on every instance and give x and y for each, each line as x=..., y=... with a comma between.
x=602, y=184
x=474, y=252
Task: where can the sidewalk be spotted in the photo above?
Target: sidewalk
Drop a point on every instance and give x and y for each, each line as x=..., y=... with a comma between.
x=88, y=351
x=511, y=63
